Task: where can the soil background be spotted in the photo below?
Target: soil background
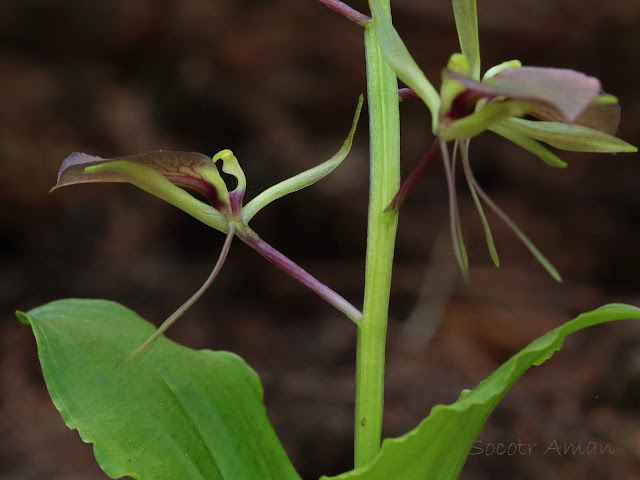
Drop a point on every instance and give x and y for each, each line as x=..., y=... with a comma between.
x=277, y=82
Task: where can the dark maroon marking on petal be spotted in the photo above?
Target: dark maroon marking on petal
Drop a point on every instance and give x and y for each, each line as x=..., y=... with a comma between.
x=180, y=168
x=463, y=105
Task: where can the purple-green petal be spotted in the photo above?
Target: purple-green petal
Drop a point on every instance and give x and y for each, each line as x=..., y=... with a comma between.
x=562, y=92
x=568, y=91
x=185, y=169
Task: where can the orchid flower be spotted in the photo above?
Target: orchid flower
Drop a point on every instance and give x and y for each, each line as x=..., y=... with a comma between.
x=569, y=108
x=162, y=173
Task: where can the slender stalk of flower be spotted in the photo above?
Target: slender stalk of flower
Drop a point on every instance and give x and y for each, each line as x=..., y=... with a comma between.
x=144, y=348
x=424, y=165
x=346, y=11
x=295, y=271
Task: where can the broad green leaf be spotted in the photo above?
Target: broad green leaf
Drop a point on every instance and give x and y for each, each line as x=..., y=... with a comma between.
x=529, y=144
x=575, y=138
x=303, y=179
x=467, y=25
x=401, y=61
x=176, y=414
x=438, y=448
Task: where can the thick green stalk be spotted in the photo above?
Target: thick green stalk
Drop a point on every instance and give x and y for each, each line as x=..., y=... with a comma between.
x=384, y=133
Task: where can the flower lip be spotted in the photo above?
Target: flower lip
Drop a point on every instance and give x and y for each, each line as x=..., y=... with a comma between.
x=185, y=169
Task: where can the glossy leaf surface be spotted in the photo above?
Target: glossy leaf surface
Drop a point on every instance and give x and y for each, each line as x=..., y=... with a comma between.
x=437, y=449
x=176, y=414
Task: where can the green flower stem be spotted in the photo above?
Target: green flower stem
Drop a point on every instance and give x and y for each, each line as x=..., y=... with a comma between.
x=384, y=134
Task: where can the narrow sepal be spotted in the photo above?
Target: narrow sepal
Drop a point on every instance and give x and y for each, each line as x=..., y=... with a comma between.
x=542, y=260
x=457, y=239
x=400, y=60
x=305, y=178
x=529, y=144
x=493, y=252
x=466, y=16
x=575, y=138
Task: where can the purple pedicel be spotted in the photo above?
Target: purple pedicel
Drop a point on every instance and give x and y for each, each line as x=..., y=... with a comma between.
x=346, y=11
x=295, y=271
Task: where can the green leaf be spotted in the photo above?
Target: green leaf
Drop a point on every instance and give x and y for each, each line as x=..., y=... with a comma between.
x=467, y=26
x=575, y=138
x=176, y=414
x=401, y=61
x=437, y=448
x=529, y=144
x=303, y=179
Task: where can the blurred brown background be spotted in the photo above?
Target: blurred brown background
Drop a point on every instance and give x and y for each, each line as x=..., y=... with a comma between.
x=277, y=82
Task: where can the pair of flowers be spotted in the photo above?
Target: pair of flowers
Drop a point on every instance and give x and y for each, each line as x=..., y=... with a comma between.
x=568, y=111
